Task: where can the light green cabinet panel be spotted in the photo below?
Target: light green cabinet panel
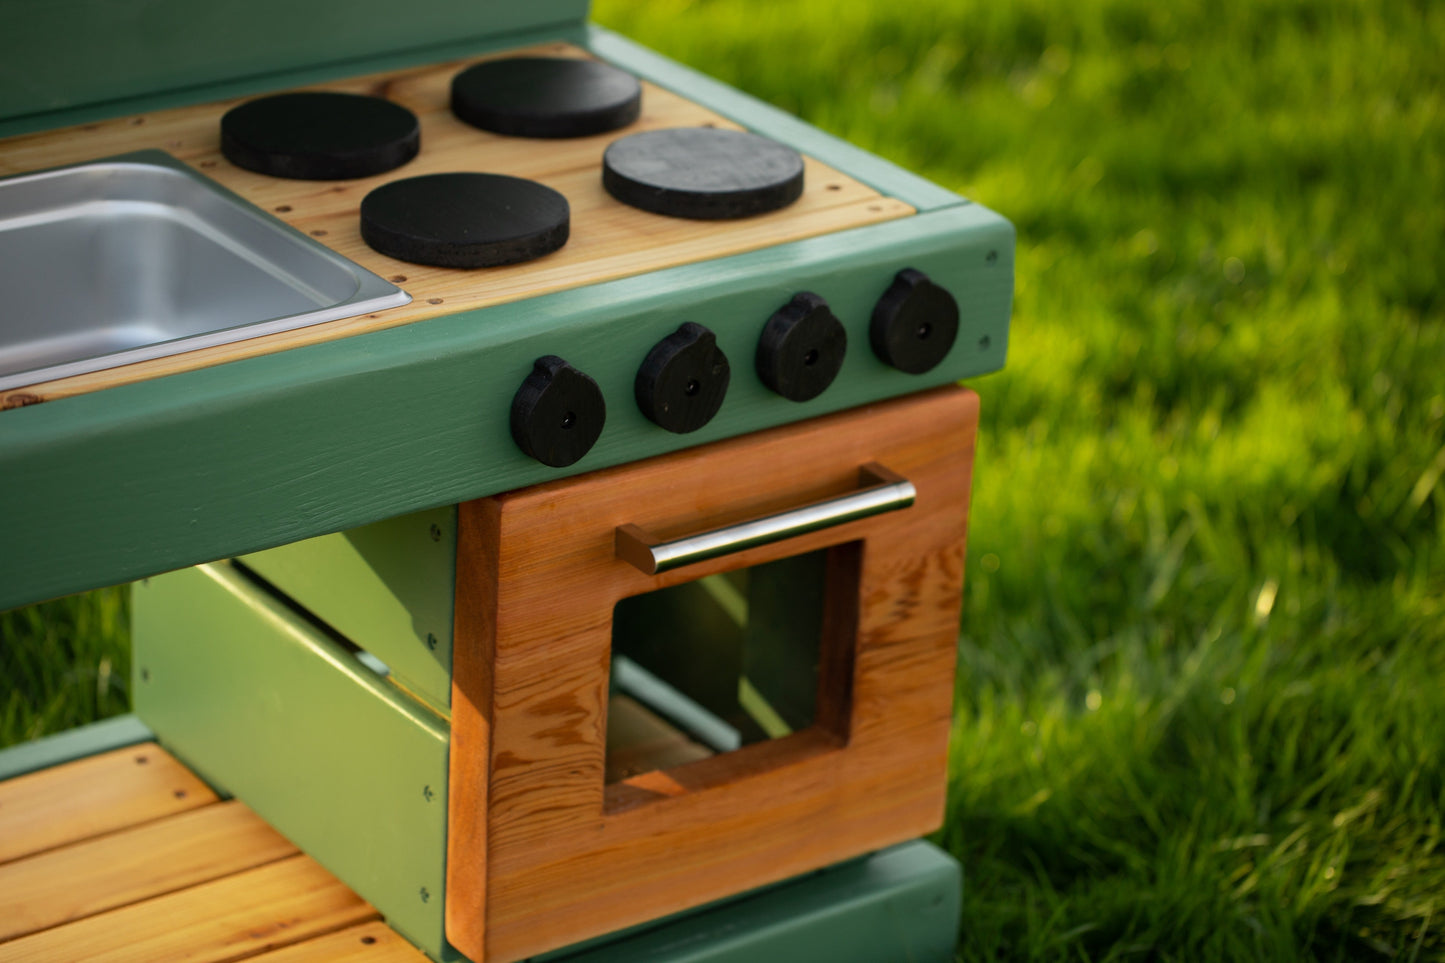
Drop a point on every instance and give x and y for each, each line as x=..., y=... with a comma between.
x=387, y=587
x=264, y=707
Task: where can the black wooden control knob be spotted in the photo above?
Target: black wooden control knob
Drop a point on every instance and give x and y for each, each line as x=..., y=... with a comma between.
x=558, y=413
x=681, y=383
x=801, y=349
x=914, y=323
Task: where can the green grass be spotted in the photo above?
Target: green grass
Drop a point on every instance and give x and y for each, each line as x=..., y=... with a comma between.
x=1199, y=711
x=63, y=664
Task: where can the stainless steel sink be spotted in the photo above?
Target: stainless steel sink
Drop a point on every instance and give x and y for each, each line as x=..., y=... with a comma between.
x=136, y=257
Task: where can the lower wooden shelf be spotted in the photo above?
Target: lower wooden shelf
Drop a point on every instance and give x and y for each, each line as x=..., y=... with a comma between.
x=126, y=855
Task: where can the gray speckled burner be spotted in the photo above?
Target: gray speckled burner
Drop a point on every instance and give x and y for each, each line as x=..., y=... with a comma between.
x=703, y=173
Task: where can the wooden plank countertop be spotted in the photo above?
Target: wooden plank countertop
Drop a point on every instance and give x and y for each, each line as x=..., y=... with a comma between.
x=128, y=856
x=609, y=240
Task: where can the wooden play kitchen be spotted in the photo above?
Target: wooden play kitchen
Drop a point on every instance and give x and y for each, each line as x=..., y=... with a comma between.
x=590, y=595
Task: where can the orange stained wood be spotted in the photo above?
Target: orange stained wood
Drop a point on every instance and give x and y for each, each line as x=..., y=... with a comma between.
x=227, y=919
x=208, y=883
x=609, y=240
x=368, y=943
x=92, y=796
x=157, y=857
x=552, y=853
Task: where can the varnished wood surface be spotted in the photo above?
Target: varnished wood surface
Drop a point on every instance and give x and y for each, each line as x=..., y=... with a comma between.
x=90, y=797
x=124, y=867
x=568, y=857
x=609, y=240
x=108, y=868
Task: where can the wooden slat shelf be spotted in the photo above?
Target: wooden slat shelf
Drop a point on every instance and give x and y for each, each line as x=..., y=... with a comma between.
x=128, y=856
x=609, y=240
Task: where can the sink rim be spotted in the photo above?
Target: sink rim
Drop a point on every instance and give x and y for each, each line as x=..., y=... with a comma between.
x=371, y=292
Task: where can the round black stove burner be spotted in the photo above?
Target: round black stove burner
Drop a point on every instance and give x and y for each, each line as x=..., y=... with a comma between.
x=464, y=220
x=702, y=173
x=320, y=136
x=546, y=97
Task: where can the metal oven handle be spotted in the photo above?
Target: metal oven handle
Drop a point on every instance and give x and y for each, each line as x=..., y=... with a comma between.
x=885, y=492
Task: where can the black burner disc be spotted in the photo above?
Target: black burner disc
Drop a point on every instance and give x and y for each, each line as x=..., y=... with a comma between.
x=320, y=136
x=464, y=220
x=702, y=173
x=546, y=97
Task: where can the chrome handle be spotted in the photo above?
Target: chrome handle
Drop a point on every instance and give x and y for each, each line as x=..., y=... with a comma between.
x=886, y=492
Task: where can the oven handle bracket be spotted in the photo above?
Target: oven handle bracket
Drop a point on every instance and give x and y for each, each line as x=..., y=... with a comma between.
x=885, y=491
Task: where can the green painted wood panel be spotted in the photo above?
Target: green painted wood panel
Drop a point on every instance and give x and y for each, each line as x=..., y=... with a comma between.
x=123, y=483
x=387, y=587
x=57, y=54
x=77, y=743
x=300, y=76
x=259, y=704
x=895, y=905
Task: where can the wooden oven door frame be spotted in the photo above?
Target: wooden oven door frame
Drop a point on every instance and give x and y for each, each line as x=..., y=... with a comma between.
x=541, y=853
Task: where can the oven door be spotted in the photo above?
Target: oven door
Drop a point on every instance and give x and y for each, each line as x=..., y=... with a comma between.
x=685, y=678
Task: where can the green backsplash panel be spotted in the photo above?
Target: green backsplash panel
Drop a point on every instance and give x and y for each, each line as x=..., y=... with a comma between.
x=57, y=54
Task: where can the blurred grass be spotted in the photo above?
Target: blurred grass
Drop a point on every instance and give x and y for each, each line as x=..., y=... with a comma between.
x=1199, y=711
x=63, y=664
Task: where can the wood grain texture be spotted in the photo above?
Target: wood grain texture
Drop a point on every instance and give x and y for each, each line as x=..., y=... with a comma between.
x=161, y=856
x=232, y=918
x=367, y=943
x=566, y=859
x=93, y=796
x=609, y=240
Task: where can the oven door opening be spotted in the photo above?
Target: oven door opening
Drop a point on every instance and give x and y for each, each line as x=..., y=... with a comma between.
x=707, y=668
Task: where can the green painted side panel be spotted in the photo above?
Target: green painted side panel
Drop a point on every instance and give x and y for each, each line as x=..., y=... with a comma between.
x=885, y=177
x=387, y=587
x=77, y=743
x=262, y=706
x=901, y=904
x=209, y=464
x=62, y=53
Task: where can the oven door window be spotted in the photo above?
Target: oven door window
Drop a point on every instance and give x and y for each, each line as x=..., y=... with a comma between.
x=711, y=666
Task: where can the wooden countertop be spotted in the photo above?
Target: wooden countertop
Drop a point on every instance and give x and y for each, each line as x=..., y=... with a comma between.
x=609, y=240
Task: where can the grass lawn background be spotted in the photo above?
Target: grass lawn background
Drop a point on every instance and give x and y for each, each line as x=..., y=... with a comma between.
x=1200, y=709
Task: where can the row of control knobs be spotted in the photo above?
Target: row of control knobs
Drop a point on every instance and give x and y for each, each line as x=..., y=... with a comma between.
x=558, y=413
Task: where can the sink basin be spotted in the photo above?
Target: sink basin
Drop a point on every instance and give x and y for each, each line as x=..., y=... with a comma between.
x=135, y=257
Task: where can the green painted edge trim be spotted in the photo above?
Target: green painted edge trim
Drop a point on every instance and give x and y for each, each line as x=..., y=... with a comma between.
x=120, y=484
x=251, y=697
x=883, y=176
x=901, y=903
x=204, y=93
x=116, y=732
